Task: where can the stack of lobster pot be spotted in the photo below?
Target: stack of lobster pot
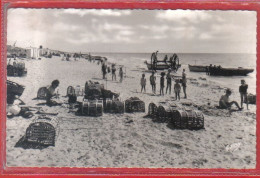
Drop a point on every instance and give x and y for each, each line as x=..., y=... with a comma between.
x=92, y=107
x=134, y=104
x=43, y=130
x=113, y=106
x=176, y=118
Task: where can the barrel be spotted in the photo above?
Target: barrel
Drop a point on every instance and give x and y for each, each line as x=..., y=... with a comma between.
x=43, y=130
x=92, y=107
x=186, y=119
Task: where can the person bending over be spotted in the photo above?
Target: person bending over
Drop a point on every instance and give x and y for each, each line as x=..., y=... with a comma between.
x=51, y=93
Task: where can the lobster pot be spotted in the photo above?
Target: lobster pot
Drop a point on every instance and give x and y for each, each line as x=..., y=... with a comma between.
x=251, y=99
x=187, y=119
x=42, y=93
x=93, y=90
x=113, y=106
x=134, y=105
x=43, y=130
x=79, y=91
x=14, y=88
x=92, y=108
x=20, y=65
x=152, y=110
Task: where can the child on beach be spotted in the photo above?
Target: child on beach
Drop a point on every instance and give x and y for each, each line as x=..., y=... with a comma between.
x=169, y=81
x=121, y=74
x=51, y=93
x=162, y=83
x=104, y=70
x=113, y=72
x=224, y=101
x=152, y=82
x=184, y=83
x=243, y=93
x=143, y=83
x=177, y=89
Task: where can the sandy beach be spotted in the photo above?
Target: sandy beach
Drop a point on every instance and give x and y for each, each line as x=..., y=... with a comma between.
x=132, y=140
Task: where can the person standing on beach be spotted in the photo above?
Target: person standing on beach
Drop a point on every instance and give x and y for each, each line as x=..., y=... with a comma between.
x=177, y=89
x=169, y=81
x=121, y=73
x=184, y=83
x=243, y=93
x=113, y=72
x=162, y=83
x=153, y=82
x=104, y=70
x=143, y=83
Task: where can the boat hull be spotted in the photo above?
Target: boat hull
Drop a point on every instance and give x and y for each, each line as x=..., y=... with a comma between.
x=230, y=72
x=195, y=68
x=160, y=66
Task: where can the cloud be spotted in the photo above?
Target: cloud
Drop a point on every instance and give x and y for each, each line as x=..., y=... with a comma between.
x=180, y=15
x=95, y=12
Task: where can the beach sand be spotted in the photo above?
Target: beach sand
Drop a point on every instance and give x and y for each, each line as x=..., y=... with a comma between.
x=131, y=140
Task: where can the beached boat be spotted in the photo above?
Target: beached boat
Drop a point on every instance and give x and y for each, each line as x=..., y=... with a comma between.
x=219, y=71
x=161, y=66
x=197, y=68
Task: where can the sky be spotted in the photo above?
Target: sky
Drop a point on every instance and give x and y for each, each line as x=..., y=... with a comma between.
x=133, y=31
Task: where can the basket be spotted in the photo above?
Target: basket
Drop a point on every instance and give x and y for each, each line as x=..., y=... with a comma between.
x=42, y=130
x=186, y=119
x=113, y=106
x=134, y=104
x=92, y=107
x=14, y=88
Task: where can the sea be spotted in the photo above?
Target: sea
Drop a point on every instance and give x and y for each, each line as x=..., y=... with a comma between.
x=234, y=60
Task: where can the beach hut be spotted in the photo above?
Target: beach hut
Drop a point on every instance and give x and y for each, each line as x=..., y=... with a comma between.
x=33, y=53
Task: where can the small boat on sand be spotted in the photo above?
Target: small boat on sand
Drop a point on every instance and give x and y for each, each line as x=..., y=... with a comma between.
x=219, y=71
x=197, y=68
x=161, y=66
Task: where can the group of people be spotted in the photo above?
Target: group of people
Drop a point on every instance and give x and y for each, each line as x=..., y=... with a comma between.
x=211, y=70
x=169, y=79
x=224, y=102
x=106, y=69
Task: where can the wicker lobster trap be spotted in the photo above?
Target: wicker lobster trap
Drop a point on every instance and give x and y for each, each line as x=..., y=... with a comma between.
x=134, y=104
x=42, y=93
x=92, y=107
x=113, y=106
x=177, y=118
x=43, y=130
x=251, y=99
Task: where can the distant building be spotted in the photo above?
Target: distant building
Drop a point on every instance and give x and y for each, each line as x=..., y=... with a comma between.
x=33, y=53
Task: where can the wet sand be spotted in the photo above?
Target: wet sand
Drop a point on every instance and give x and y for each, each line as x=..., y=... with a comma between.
x=131, y=140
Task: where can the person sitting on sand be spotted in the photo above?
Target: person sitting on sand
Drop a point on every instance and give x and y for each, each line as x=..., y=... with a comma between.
x=51, y=93
x=177, y=89
x=153, y=82
x=121, y=73
x=224, y=101
x=184, y=83
x=113, y=72
x=162, y=83
x=143, y=83
x=169, y=81
x=243, y=93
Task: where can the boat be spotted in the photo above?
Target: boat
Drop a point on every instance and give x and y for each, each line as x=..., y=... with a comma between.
x=219, y=71
x=197, y=68
x=162, y=66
